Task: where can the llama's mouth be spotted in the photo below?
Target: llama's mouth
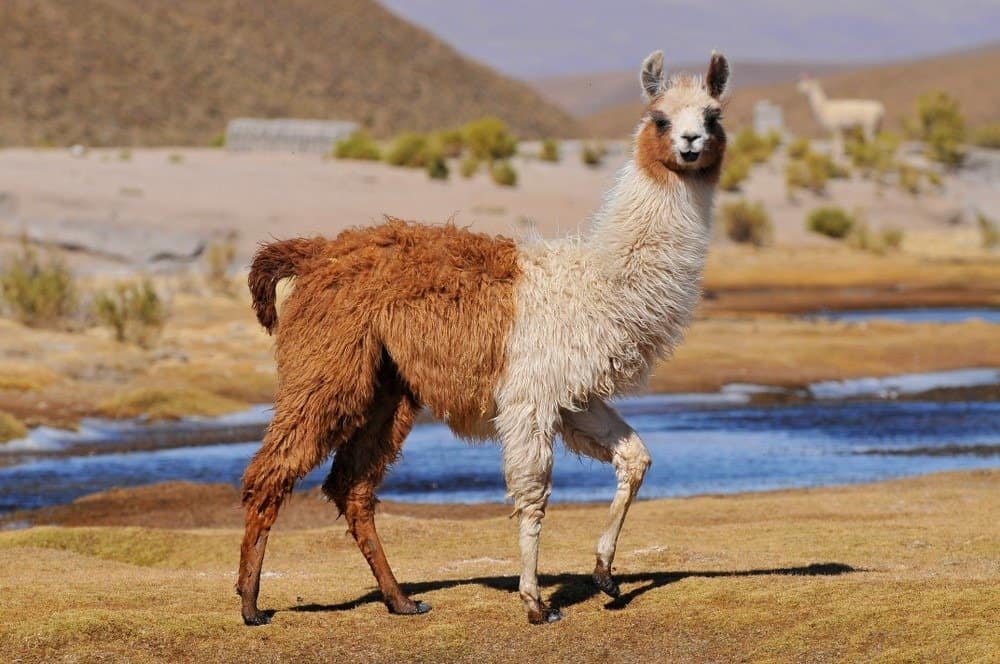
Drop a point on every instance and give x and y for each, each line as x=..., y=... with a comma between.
x=690, y=156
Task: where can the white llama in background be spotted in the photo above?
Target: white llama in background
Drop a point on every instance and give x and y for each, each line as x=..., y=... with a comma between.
x=839, y=115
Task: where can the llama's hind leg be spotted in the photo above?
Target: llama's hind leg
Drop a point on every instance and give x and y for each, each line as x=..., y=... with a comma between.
x=527, y=460
x=358, y=469
x=599, y=432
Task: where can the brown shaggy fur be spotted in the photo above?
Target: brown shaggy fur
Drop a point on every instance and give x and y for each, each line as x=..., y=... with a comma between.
x=380, y=320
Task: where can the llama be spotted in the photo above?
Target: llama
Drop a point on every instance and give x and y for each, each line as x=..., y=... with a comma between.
x=839, y=115
x=500, y=340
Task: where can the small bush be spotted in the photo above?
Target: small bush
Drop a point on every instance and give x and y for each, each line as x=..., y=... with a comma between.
x=550, y=150
x=862, y=238
x=987, y=136
x=437, y=168
x=358, y=145
x=408, y=149
x=876, y=157
x=11, y=428
x=830, y=221
x=175, y=158
x=450, y=142
x=488, y=139
x=810, y=173
x=218, y=258
x=754, y=146
x=939, y=124
x=218, y=141
x=989, y=233
x=592, y=154
x=504, y=174
x=132, y=310
x=39, y=294
x=125, y=154
x=469, y=166
x=746, y=222
x=735, y=169
x=799, y=148
x=909, y=179
x=892, y=237
x=167, y=403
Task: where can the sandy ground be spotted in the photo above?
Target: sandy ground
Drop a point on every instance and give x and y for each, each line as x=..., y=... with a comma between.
x=892, y=572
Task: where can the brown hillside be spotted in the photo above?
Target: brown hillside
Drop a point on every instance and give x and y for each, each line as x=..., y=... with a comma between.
x=969, y=76
x=174, y=72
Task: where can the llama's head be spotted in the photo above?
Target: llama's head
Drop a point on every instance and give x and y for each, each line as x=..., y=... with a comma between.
x=681, y=130
x=807, y=85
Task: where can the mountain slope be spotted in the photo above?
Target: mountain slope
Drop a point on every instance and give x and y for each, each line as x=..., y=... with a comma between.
x=174, y=72
x=969, y=76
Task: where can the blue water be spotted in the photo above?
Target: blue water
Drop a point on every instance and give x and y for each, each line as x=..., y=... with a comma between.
x=922, y=315
x=696, y=449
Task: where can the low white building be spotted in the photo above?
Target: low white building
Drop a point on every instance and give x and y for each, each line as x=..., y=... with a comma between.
x=287, y=135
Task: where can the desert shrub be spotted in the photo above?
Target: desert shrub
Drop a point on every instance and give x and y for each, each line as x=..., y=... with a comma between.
x=358, y=145
x=504, y=174
x=746, y=222
x=735, y=169
x=892, y=238
x=469, y=166
x=875, y=157
x=218, y=258
x=408, y=149
x=830, y=221
x=175, y=158
x=909, y=179
x=488, y=139
x=989, y=233
x=933, y=178
x=449, y=142
x=592, y=154
x=799, y=148
x=809, y=173
x=132, y=310
x=218, y=141
x=37, y=293
x=125, y=154
x=755, y=147
x=987, y=136
x=938, y=122
x=550, y=150
x=167, y=403
x=861, y=237
x=437, y=167
x=11, y=428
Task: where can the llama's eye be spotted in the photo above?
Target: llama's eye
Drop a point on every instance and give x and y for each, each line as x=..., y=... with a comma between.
x=712, y=119
x=661, y=123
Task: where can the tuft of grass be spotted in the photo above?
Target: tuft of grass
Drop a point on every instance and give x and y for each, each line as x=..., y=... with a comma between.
x=735, y=170
x=504, y=174
x=488, y=139
x=125, y=154
x=25, y=377
x=550, y=150
x=832, y=221
x=469, y=166
x=358, y=145
x=167, y=403
x=938, y=122
x=874, y=158
x=133, y=311
x=408, y=149
x=450, y=142
x=218, y=141
x=747, y=222
x=593, y=154
x=218, y=259
x=437, y=167
x=758, y=149
x=37, y=293
x=175, y=158
x=989, y=233
x=986, y=136
x=892, y=237
x=799, y=148
x=11, y=428
x=909, y=179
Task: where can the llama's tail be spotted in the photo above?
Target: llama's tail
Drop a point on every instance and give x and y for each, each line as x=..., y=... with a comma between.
x=272, y=263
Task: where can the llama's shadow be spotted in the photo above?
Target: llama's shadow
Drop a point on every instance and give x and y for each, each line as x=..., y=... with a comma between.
x=576, y=588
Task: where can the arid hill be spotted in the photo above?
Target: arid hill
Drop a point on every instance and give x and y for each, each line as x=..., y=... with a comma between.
x=969, y=76
x=117, y=72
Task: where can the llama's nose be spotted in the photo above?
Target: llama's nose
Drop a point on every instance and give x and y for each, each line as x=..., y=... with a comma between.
x=690, y=138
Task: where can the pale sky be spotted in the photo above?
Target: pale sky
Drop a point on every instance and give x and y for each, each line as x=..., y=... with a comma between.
x=527, y=38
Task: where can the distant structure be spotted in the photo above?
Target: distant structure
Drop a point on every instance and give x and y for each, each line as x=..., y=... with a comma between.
x=286, y=135
x=768, y=117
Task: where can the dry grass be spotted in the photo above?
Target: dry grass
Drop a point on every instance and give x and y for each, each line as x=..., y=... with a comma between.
x=900, y=571
x=10, y=428
x=159, y=403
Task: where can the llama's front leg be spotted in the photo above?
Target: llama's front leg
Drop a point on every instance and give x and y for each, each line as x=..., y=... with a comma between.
x=528, y=471
x=599, y=432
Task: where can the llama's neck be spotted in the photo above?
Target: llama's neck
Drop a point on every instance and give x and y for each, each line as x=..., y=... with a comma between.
x=817, y=101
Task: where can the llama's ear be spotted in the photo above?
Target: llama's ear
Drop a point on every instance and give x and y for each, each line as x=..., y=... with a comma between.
x=718, y=75
x=651, y=75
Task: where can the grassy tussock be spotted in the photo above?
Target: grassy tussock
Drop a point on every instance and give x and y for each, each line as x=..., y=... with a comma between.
x=25, y=377
x=11, y=428
x=167, y=403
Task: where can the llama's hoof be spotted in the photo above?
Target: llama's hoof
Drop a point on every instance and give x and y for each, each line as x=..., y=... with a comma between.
x=544, y=616
x=256, y=619
x=604, y=581
x=412, y=609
